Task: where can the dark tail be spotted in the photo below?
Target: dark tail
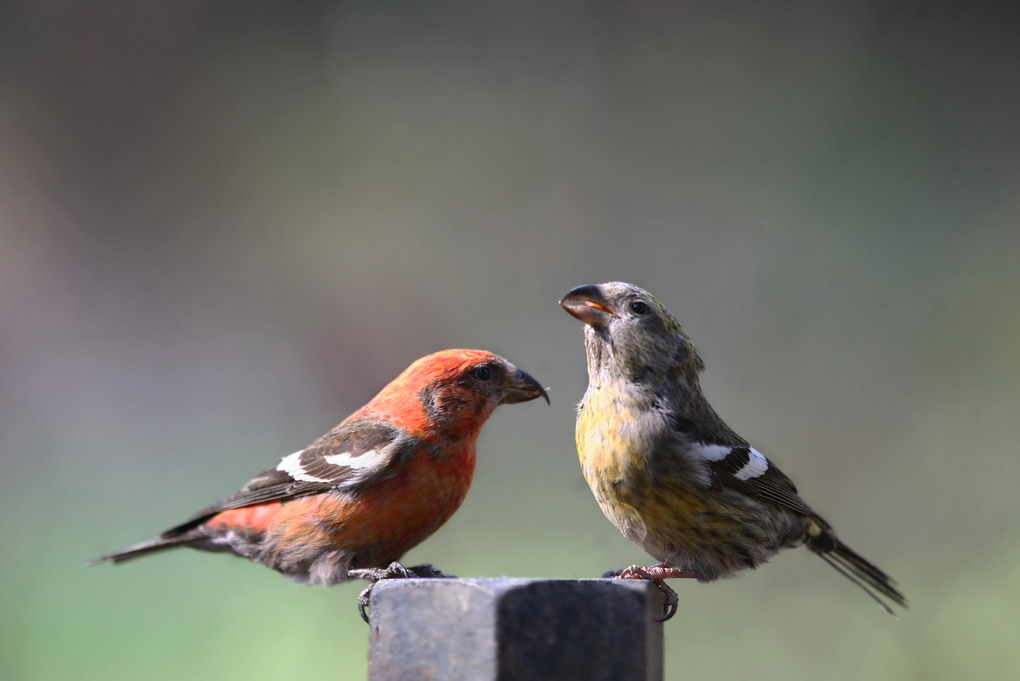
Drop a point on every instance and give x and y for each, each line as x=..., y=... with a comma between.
x=880, y=586
x=142, y=549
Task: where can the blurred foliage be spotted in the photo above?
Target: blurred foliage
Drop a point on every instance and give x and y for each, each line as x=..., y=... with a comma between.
x=224, y=227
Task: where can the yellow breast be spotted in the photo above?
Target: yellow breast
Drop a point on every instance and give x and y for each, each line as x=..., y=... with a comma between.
x=641, y=484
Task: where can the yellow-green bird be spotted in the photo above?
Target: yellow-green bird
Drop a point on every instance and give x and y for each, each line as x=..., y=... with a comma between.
x=668, y=471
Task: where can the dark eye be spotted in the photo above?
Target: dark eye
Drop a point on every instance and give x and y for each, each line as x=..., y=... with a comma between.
x=639, y=307
x=482, y=373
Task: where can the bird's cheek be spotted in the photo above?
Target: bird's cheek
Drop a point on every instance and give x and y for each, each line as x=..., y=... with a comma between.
x=471, y=416
x=459, y=410
x=452, y=402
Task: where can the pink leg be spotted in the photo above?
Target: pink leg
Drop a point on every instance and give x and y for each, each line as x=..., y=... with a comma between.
x=656, y=574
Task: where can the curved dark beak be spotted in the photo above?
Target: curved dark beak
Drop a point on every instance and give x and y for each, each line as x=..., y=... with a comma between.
x=521, y=387
x=587, y=304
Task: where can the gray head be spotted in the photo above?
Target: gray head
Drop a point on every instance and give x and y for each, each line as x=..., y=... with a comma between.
x=629, y=333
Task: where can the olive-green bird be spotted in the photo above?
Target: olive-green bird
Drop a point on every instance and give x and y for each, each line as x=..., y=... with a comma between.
x=668, y=471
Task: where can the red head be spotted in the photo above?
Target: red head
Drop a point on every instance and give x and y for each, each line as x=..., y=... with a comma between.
x=451, y=393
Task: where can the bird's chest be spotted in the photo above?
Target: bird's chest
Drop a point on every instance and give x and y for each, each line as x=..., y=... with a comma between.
x=614, y=441
x=398, y=513
x=614, y=435
x=637, y=470
x=435, y=484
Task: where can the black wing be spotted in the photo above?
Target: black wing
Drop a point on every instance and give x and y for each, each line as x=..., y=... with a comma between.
x=352, y=456
x=748, y=471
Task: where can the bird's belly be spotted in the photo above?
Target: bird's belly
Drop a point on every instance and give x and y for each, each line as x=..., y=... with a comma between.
x=643, y=516
x=656, y=498
x=704, y=534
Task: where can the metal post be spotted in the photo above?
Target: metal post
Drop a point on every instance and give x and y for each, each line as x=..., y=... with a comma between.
x=515, y=630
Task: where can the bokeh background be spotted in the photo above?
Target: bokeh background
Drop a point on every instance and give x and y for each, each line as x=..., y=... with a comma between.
x=225, y=225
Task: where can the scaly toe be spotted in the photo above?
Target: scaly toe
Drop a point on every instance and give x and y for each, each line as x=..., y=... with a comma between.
x=670, y=601
x=392, y=571
x=656, y=575
x=363, y=599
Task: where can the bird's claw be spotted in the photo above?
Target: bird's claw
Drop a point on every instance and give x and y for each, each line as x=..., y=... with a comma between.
x=393, y=571
x=363, y=597
x=670, y=602
x=657, y=575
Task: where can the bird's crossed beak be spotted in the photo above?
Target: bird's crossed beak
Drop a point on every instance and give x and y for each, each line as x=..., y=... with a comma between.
x=587, y=304
x=521, y=387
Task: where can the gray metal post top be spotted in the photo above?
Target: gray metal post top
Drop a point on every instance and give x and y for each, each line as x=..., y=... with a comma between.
x=515, y=630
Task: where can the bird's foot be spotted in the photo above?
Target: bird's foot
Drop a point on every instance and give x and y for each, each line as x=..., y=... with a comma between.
x=393, y=571
x=656, y=574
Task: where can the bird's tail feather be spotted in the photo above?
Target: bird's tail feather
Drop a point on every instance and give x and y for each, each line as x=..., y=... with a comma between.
x=141, y=549
x=872, y=580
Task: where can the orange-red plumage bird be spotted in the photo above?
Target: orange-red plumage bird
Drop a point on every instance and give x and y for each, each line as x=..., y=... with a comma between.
x=363, y=494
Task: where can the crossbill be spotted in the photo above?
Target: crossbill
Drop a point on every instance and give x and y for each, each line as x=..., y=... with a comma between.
x=354, y=501
x=667, y=470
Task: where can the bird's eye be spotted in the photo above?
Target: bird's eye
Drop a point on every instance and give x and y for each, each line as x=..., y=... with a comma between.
x=482, y=373
x=639, y=307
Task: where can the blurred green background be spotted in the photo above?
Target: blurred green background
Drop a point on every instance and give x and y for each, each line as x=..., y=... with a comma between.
x=225, y=225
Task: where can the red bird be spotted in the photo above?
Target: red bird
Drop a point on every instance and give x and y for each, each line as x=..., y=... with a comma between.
x=355, y=500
